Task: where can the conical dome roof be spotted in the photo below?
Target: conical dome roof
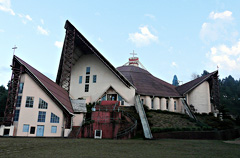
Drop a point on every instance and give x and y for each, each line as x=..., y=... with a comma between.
x=146, y=83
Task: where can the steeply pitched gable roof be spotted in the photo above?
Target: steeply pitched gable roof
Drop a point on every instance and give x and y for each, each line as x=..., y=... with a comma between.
x=56, y=92
x=147, y=84
x=185, y=88
x=84, y=44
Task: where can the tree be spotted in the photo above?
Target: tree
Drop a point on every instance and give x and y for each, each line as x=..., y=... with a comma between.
x=194, y=76
x=205, y=72
x=175, y=81
x=3, y=99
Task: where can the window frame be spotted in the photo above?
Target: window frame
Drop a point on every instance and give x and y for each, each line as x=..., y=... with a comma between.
x=42, y=104
x=18, y=103
x=20, y=90
x=54, y=118
x=88, y=70
x=80, y=79
x=28, y=102
x=53, y=129
x=87, y=79
x=86, y=89
x=41, y=116
x=175, y=105
x=25, y=128
x=94, y=78
x=16, y=115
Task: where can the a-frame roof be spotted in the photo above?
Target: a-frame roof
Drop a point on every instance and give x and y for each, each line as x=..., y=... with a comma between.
x=57, y=93
x=82, y=44
x=187, y=87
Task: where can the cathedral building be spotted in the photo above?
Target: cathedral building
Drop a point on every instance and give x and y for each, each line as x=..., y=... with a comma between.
x=38, y=106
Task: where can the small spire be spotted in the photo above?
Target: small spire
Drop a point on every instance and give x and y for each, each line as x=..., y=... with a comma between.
x=14, y=48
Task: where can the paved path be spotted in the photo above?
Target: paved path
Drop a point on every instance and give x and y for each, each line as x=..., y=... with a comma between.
x=236, y=141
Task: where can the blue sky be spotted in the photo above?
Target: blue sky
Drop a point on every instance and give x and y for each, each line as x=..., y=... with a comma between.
x=179, y=37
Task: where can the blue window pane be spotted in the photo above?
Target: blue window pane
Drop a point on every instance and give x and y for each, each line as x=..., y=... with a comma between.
x=80, y=79
x=25, y=128
x=94, y=78
x=54, y=118
x=88, y=70
x=119, y=98
x=41, y=116
x=54, y=129
x=42, y=104
x=19, y=99
x=104, y=97
x=16, y=115
x=20, y=88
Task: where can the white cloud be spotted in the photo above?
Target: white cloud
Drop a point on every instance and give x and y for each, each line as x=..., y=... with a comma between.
x=28, y=17
x=227, y=58
x=224, y=15
x=42, y=31
x=1, y=30
x=42, y=21
x=174, y=64
x=25, y=17
x=150, y=16
x=222, y=29
x=144, y=38
x=5, y=5
x=58, y=44
x=99, y=39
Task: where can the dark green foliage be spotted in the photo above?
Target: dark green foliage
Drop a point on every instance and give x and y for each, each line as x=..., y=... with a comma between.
x=3, y=99
x=229, y=96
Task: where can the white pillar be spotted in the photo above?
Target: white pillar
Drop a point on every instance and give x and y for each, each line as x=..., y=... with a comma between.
x=156, y=103
x=163, y=104
x=148, y=101
x=171, y=104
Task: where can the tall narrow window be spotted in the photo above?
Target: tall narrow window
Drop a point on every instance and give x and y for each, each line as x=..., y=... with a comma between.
x=94, y=78
x=166, y=104
x=86, y=87
x=80, y=79
x=41, y=116
x=54, y=118
x=19, y=99
x=88, y=70
x=16, y=115
x=87, y=79
x=175, y=105
x=32, y=130
x=29, y=102
x=20, y=88
x=42, y=104
x=25, y=128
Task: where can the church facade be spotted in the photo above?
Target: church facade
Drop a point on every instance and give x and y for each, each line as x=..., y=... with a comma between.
x=38, y=106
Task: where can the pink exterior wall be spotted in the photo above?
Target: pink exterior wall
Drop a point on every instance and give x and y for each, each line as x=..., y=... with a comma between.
x=30, y=115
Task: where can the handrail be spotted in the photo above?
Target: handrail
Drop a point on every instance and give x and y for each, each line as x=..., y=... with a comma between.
x=129, y=129
x=144, y=121
x=188, y=110
x=106, y=108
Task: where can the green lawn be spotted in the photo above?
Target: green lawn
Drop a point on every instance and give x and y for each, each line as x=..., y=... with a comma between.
x=60, y=147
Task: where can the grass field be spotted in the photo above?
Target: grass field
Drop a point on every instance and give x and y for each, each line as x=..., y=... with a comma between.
x=60, y=147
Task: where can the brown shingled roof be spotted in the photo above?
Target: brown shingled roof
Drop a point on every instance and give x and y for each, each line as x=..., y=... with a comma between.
x=55, y=91
x=185, y=88
x=147, y=84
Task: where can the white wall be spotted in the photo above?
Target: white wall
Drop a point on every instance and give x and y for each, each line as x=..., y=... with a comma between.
x=105, y=79
x=30, y=115
x=199, y=97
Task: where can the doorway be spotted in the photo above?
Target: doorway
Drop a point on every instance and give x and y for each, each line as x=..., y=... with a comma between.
x=40, y=131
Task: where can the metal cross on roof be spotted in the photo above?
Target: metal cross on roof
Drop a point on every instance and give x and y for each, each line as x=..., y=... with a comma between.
x=14, y=49
x=133, y=53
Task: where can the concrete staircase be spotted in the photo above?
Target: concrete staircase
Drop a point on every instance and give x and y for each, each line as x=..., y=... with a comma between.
x=143, y=118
